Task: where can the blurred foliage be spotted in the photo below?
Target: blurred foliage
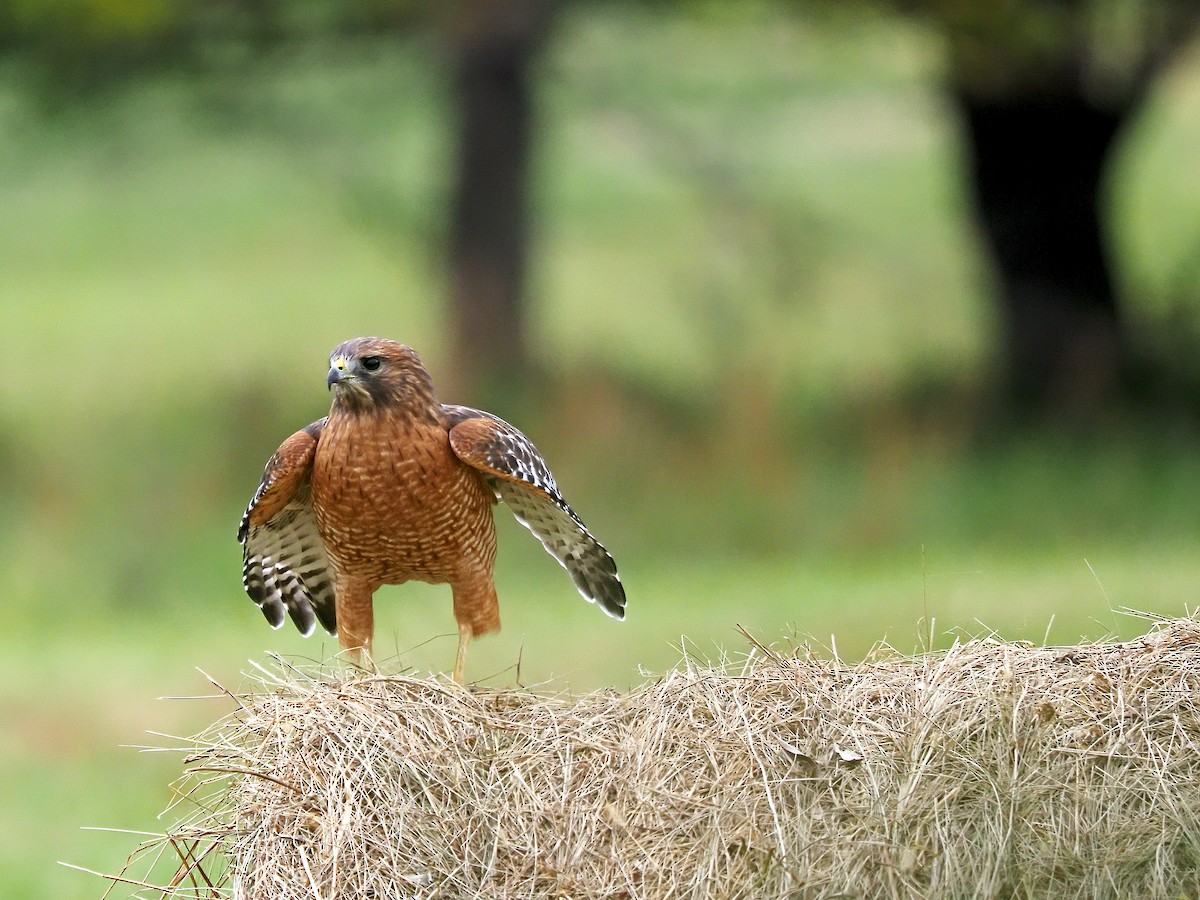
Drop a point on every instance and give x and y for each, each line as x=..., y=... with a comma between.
x=79, y=46
x=1111, y=48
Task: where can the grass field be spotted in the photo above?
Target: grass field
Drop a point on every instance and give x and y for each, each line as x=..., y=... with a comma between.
x=726, y=323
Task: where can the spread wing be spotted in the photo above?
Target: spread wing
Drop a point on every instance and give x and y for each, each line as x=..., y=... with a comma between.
x=285, y=567
x=520, y=477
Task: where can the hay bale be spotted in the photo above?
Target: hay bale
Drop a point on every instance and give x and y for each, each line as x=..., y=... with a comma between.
x=988, y=770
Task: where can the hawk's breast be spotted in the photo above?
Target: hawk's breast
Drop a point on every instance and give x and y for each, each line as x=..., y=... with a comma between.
x=393, y=503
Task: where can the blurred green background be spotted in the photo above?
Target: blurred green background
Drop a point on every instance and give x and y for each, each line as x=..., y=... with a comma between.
x=763, y=345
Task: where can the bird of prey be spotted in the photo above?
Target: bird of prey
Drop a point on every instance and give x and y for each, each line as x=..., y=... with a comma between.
x=395, y=486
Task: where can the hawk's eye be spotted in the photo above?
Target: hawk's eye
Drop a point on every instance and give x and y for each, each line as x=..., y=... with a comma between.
x=372, y=363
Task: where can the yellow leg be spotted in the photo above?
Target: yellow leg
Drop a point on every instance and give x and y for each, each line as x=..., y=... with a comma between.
x=362, y=658
x=355, y=622
x=356, y=650
x=460, y=661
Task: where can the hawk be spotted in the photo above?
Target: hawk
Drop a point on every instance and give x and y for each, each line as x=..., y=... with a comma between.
x=395, y=486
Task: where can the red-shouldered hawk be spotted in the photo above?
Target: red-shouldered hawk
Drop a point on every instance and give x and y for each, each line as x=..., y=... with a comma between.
x=394, y=486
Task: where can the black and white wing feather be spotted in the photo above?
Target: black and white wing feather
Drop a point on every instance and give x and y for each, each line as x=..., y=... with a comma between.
x=520, y=477
x=285, y=568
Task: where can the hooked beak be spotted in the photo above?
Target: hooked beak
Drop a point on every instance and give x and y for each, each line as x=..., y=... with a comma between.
x=337, y=372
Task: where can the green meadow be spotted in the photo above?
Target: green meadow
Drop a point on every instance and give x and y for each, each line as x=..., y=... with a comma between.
x=763, y=324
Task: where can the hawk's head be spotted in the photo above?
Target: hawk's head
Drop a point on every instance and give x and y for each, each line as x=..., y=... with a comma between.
x=371, y=374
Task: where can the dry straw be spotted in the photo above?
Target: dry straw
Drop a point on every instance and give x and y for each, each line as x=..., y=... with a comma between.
x=990, y=769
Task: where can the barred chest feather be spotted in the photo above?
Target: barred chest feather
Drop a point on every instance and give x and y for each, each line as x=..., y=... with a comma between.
x=393, y=503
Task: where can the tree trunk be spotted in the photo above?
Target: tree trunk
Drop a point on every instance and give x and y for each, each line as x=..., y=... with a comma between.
x=1038, y=166
x=494, y=45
